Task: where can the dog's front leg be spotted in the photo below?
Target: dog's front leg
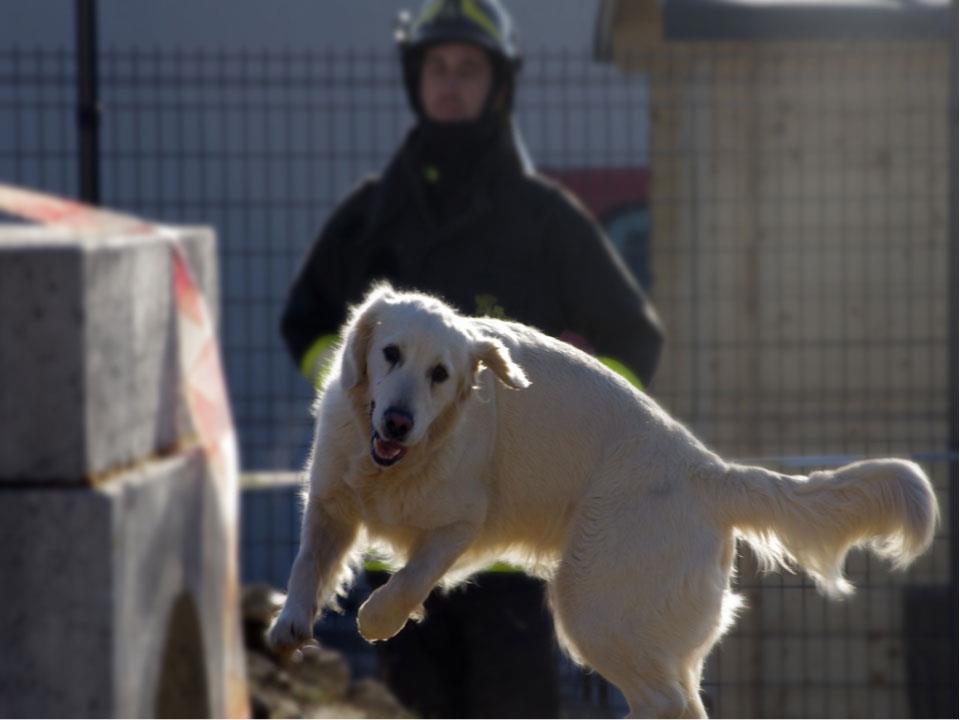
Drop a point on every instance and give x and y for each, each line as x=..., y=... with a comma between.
x=386, y=611
x=325, y=539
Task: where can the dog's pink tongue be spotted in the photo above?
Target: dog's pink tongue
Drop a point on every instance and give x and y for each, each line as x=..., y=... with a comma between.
x=388, y=450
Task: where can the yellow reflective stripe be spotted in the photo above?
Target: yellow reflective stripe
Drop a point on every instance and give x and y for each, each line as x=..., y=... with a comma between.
x=478, y=16
x=309, y=362
x=429, y=12
x=621, y=370
x=374, y=565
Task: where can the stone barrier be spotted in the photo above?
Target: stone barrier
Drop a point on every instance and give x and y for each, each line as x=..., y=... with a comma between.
x=117, y=549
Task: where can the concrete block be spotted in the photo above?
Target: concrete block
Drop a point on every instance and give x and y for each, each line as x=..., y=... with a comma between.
x=55, y=621
x=88, y=354
x=117, y=543
x=115, y=597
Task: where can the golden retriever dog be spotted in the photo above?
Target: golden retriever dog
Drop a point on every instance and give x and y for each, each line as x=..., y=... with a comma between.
x=451, y=442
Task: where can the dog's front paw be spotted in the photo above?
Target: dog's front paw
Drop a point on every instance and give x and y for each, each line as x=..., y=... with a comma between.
x=291, y=629
x=379, y=618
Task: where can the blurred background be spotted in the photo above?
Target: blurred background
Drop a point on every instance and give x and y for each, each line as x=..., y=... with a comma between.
x=781, y=178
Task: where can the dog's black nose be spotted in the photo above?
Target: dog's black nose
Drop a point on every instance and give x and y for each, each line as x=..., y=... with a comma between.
x=396, y=423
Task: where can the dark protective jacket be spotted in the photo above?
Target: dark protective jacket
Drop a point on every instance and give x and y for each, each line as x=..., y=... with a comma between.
x=517, y=246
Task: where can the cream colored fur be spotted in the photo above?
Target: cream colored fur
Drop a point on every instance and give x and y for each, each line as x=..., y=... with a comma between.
x=535, y=453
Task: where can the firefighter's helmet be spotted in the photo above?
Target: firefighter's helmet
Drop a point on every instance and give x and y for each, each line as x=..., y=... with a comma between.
x=479, y=22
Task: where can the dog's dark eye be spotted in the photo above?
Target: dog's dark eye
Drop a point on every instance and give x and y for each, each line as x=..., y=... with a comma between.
x=438, y=374
x=391, y=354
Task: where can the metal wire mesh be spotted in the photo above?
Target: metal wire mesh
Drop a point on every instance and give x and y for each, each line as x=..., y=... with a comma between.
x=795, y=235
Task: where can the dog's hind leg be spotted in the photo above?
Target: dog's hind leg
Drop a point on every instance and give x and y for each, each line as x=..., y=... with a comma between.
x=652, y=688
x=690, y=680
x=641, y=664
x=666, y=700
x=642, y=603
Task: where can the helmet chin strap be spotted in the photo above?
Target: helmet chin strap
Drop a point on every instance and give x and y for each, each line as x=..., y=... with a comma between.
x=496, y=102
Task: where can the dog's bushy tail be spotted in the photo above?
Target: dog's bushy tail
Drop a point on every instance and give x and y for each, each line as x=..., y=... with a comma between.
x=886, y=505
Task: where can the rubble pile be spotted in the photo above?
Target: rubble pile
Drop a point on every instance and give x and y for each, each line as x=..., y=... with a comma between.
x=314, y=684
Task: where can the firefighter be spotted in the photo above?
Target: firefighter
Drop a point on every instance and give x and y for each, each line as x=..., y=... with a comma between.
x=460, y=212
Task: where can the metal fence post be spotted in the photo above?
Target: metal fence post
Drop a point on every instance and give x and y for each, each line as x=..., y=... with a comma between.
x=952, y=317
x=88, y=103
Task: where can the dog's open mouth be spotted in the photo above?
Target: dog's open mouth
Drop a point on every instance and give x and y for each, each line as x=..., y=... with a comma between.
x=385, y=452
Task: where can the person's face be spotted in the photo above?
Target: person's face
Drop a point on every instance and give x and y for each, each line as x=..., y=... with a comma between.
x=455, y=79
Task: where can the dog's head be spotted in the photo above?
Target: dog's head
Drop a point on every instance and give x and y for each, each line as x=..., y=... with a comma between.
x=409, y=363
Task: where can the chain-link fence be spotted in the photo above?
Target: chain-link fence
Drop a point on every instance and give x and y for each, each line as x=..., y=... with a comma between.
x=789, y=209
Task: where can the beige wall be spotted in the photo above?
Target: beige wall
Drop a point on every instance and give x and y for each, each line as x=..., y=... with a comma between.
x=799, y=246
x=799, y=236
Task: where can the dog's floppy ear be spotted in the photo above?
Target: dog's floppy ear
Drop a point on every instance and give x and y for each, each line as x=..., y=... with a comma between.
x=363, y=319
x=494, y=355
x=353, y=369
